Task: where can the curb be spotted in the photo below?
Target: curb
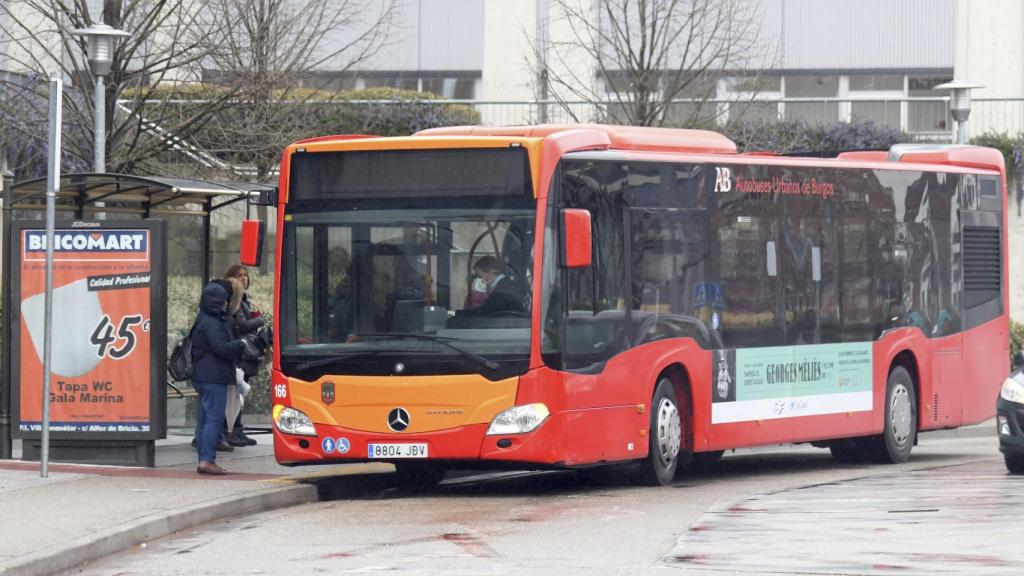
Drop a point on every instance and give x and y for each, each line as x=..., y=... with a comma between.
x=90, y=548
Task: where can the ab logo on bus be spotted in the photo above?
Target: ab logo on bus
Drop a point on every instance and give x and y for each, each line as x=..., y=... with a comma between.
x=723, y=179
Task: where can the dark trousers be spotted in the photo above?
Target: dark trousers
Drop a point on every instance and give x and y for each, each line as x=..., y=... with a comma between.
x=213, y=398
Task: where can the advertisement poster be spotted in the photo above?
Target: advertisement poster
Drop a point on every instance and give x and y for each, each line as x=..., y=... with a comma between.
x=788, y=381
x=102, y=341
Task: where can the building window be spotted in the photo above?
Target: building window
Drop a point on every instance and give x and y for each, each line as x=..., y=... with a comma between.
x=747, y=97
x=927, y=116
x=877, y=98
x=812, y=87
x=877, y=83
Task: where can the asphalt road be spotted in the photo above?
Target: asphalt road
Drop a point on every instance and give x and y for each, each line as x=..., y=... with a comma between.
x=788, y=510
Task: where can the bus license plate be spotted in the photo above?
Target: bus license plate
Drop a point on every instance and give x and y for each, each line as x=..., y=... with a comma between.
x=397, y=450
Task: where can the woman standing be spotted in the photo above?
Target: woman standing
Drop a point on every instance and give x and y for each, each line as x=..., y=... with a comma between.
x=246, y=322
x=214, y=353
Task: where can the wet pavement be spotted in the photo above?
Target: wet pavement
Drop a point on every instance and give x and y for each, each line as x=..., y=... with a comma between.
x=966, y=519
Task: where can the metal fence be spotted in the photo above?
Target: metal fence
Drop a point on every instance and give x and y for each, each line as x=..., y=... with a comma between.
x=927, y=118
x=924, y=118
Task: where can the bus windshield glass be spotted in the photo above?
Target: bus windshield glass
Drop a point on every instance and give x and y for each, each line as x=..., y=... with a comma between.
x=419, y=285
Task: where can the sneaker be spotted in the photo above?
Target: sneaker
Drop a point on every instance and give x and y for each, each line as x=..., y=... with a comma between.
x=235, y=440
x=223, y=446
x=241, y=436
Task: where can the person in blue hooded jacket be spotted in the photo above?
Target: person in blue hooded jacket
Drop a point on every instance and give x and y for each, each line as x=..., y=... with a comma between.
x=215, y=352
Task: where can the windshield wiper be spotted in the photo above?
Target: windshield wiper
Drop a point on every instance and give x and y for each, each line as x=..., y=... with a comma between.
x=335, y=358
x=489, y=364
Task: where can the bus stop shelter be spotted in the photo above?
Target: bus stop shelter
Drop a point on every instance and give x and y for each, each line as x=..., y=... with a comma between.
x=114, y=196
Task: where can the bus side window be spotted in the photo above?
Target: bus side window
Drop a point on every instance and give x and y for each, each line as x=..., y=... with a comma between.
x=738, y=267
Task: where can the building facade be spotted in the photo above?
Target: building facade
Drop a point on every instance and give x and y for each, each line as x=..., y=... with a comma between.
x=831, y=60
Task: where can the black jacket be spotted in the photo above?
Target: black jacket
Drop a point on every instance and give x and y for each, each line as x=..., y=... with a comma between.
x=214, y=349
x=505, y=296
x=243, y=318
x=244, y=326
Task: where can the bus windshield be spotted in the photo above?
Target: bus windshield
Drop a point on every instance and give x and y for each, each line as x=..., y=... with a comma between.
x=435, y=287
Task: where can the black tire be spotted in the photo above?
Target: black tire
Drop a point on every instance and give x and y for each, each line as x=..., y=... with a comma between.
x=1014, y=464
x=900, y=423
x=664, y=439
x=419, y=475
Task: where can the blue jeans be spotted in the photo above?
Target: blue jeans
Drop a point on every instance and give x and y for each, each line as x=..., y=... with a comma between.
x=200, y=415
x=212, y=398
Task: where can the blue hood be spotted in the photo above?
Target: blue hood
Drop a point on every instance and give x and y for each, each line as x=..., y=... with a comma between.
x=213, y=299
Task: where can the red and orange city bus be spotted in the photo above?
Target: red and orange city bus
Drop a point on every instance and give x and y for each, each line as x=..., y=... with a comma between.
x=648, y=296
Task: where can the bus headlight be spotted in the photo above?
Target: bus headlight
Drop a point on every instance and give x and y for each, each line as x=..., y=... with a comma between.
x=518, y=419
x=292, y=421
x=1012, y=391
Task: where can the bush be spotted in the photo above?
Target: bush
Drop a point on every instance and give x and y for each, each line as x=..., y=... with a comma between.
x=255, y=134
x=1012, y=148
x=797, y=136
x=1016, y=338
x=385, y=112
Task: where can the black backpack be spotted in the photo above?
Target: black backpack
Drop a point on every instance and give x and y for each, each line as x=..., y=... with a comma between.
x=179, y=365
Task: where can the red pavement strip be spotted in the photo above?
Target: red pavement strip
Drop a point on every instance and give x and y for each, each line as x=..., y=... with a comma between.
x=129, y=472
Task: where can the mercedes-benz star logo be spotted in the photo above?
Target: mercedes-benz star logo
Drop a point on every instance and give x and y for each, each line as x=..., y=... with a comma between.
x=398, y=419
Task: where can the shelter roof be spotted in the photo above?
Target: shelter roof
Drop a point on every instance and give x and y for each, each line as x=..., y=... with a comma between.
x=144, y=195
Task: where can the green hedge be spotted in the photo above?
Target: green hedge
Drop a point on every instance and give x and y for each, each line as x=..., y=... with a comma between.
x=244, y=132
x=799, y=137
x=1016, y=338
x=1012, y=148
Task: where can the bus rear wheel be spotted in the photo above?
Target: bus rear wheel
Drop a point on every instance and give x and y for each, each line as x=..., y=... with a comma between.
x=665, y=437
x=900, y=431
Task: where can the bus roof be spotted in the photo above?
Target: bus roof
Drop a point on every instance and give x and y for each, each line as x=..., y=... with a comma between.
x=649, y=139
x=619, y=137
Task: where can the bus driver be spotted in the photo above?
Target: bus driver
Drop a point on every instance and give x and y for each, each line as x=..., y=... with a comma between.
x=503, y=294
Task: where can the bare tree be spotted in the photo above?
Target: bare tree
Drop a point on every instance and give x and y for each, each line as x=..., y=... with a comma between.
x=159, y=101
x=650, y=62
x=164, y=47
x=277, y=57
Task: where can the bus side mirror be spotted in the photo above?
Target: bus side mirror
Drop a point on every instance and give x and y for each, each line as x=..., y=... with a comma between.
x=1018, y=360
x=576, y=238
x=251, y=250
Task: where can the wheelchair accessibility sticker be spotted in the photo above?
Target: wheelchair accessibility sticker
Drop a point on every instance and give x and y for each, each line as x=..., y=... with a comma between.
x=343, y=446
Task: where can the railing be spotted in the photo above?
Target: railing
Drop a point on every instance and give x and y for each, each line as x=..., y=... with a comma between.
x=925, y=118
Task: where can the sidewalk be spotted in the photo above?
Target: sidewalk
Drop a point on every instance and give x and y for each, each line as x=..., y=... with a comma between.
x=80, y=513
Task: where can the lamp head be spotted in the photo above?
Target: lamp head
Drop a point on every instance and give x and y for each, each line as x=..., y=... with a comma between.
x=959, y=98
x=100, y=39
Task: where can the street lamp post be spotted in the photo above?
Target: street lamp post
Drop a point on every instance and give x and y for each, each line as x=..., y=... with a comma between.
x=101, y=39
x=960, y=104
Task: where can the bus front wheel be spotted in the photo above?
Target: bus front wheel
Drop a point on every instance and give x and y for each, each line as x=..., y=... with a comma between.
x=900, y=431
x=665, y=437
x=1014, y=464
